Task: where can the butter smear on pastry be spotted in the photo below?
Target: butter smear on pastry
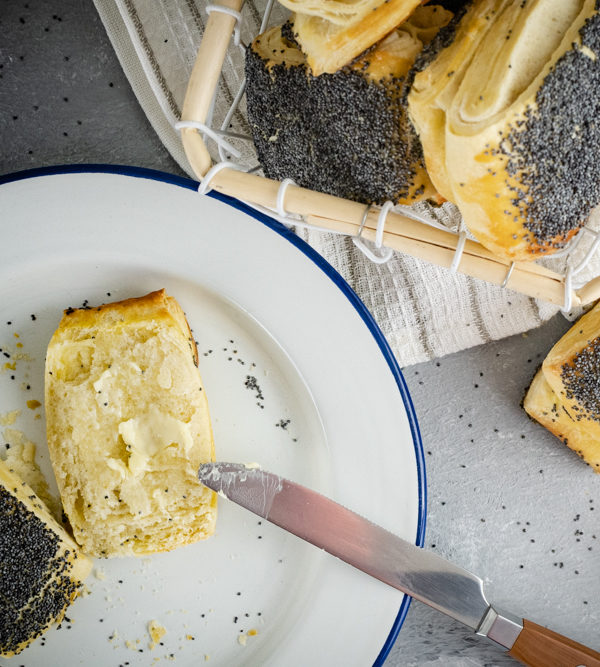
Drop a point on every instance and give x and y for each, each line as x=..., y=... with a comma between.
x=128, y=426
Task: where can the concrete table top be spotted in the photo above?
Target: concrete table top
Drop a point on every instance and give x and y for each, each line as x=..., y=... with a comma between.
x=505, y=498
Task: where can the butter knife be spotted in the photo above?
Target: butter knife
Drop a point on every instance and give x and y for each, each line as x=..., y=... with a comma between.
x=379, y=553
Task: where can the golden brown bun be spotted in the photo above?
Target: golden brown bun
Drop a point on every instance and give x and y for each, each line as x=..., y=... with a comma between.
x=347, y=133
x=508, y=128
x=333, y=33
x=128, y=426
x=42, y=567
x=565, y=394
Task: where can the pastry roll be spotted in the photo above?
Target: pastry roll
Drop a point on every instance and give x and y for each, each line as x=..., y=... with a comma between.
x=333, y=32
x=347, y=133
x=565, y=393
x=507, y=113
x=128, y=426
x=41, y=567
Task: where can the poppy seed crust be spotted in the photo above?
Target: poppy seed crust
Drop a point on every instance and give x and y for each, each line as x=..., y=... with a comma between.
x=35, y=582
x=552, y=152
x=345, y=134
x=581, y=379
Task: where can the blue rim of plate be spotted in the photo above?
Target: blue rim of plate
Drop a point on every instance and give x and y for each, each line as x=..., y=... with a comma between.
x=282, y=230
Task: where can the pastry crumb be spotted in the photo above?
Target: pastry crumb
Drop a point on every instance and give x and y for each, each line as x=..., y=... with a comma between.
x=100, y=574
x=156, y=632
x=243, y=638
x=9, y=418
x=84, y=592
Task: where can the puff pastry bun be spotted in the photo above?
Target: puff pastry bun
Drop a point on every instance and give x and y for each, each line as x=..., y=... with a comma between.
x=346, y=133
x=128, y=426
x=565, y=393
x=507, y=113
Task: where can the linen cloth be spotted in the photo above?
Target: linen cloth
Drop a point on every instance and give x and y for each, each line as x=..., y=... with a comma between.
x=424, y=311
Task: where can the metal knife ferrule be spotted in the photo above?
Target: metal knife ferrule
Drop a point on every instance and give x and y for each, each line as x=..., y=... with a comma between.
x=500, y=627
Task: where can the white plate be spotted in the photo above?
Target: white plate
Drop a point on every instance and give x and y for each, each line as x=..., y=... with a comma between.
x=261, y=303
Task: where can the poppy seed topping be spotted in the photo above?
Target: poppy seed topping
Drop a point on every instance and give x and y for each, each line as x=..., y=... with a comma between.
x=41, y=568
x=35, y=586
x=552, y=153
x=347, y=133
x=581, y=379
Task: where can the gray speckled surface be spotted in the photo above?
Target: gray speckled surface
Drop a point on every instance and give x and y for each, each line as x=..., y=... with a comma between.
x=505, y=498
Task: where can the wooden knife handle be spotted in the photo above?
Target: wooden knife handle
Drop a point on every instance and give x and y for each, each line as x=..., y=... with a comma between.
x=537, y=646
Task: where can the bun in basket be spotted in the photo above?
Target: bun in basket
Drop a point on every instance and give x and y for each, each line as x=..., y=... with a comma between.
x=565, y=393
x=347, y=134
x=333, y=32
x=128, y=426
x=42, y=568
x=507, y=113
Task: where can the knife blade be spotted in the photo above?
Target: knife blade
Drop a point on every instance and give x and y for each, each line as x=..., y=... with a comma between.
x=379, y=553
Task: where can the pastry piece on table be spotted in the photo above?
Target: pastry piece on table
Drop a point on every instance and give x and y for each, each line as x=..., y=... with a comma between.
x=41, y=567
x=347, y=133
x=333, y=32
x=128, y=426
x=565, y=393
x=507, y=113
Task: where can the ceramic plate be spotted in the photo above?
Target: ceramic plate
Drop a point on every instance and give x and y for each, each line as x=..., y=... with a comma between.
x=298, y=377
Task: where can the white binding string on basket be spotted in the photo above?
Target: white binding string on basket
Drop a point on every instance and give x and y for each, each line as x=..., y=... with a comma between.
x=568, y=292
x=462, y=235
x=283, y=216
x=511, y=268
x=359, y=242
x=279, y=207
x=458, y=253
x=280, y=215
x=573, y=271
x=231, y=12
x=205, y=186
x=416, y=215
x=218, y=136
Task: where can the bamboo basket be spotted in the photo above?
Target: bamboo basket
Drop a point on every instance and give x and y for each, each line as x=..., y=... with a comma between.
x=387, y=228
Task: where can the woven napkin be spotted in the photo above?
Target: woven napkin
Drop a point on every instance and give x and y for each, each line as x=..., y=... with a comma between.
x=423, y=310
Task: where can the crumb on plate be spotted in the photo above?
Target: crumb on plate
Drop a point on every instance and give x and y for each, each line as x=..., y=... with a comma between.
x=156, y=632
